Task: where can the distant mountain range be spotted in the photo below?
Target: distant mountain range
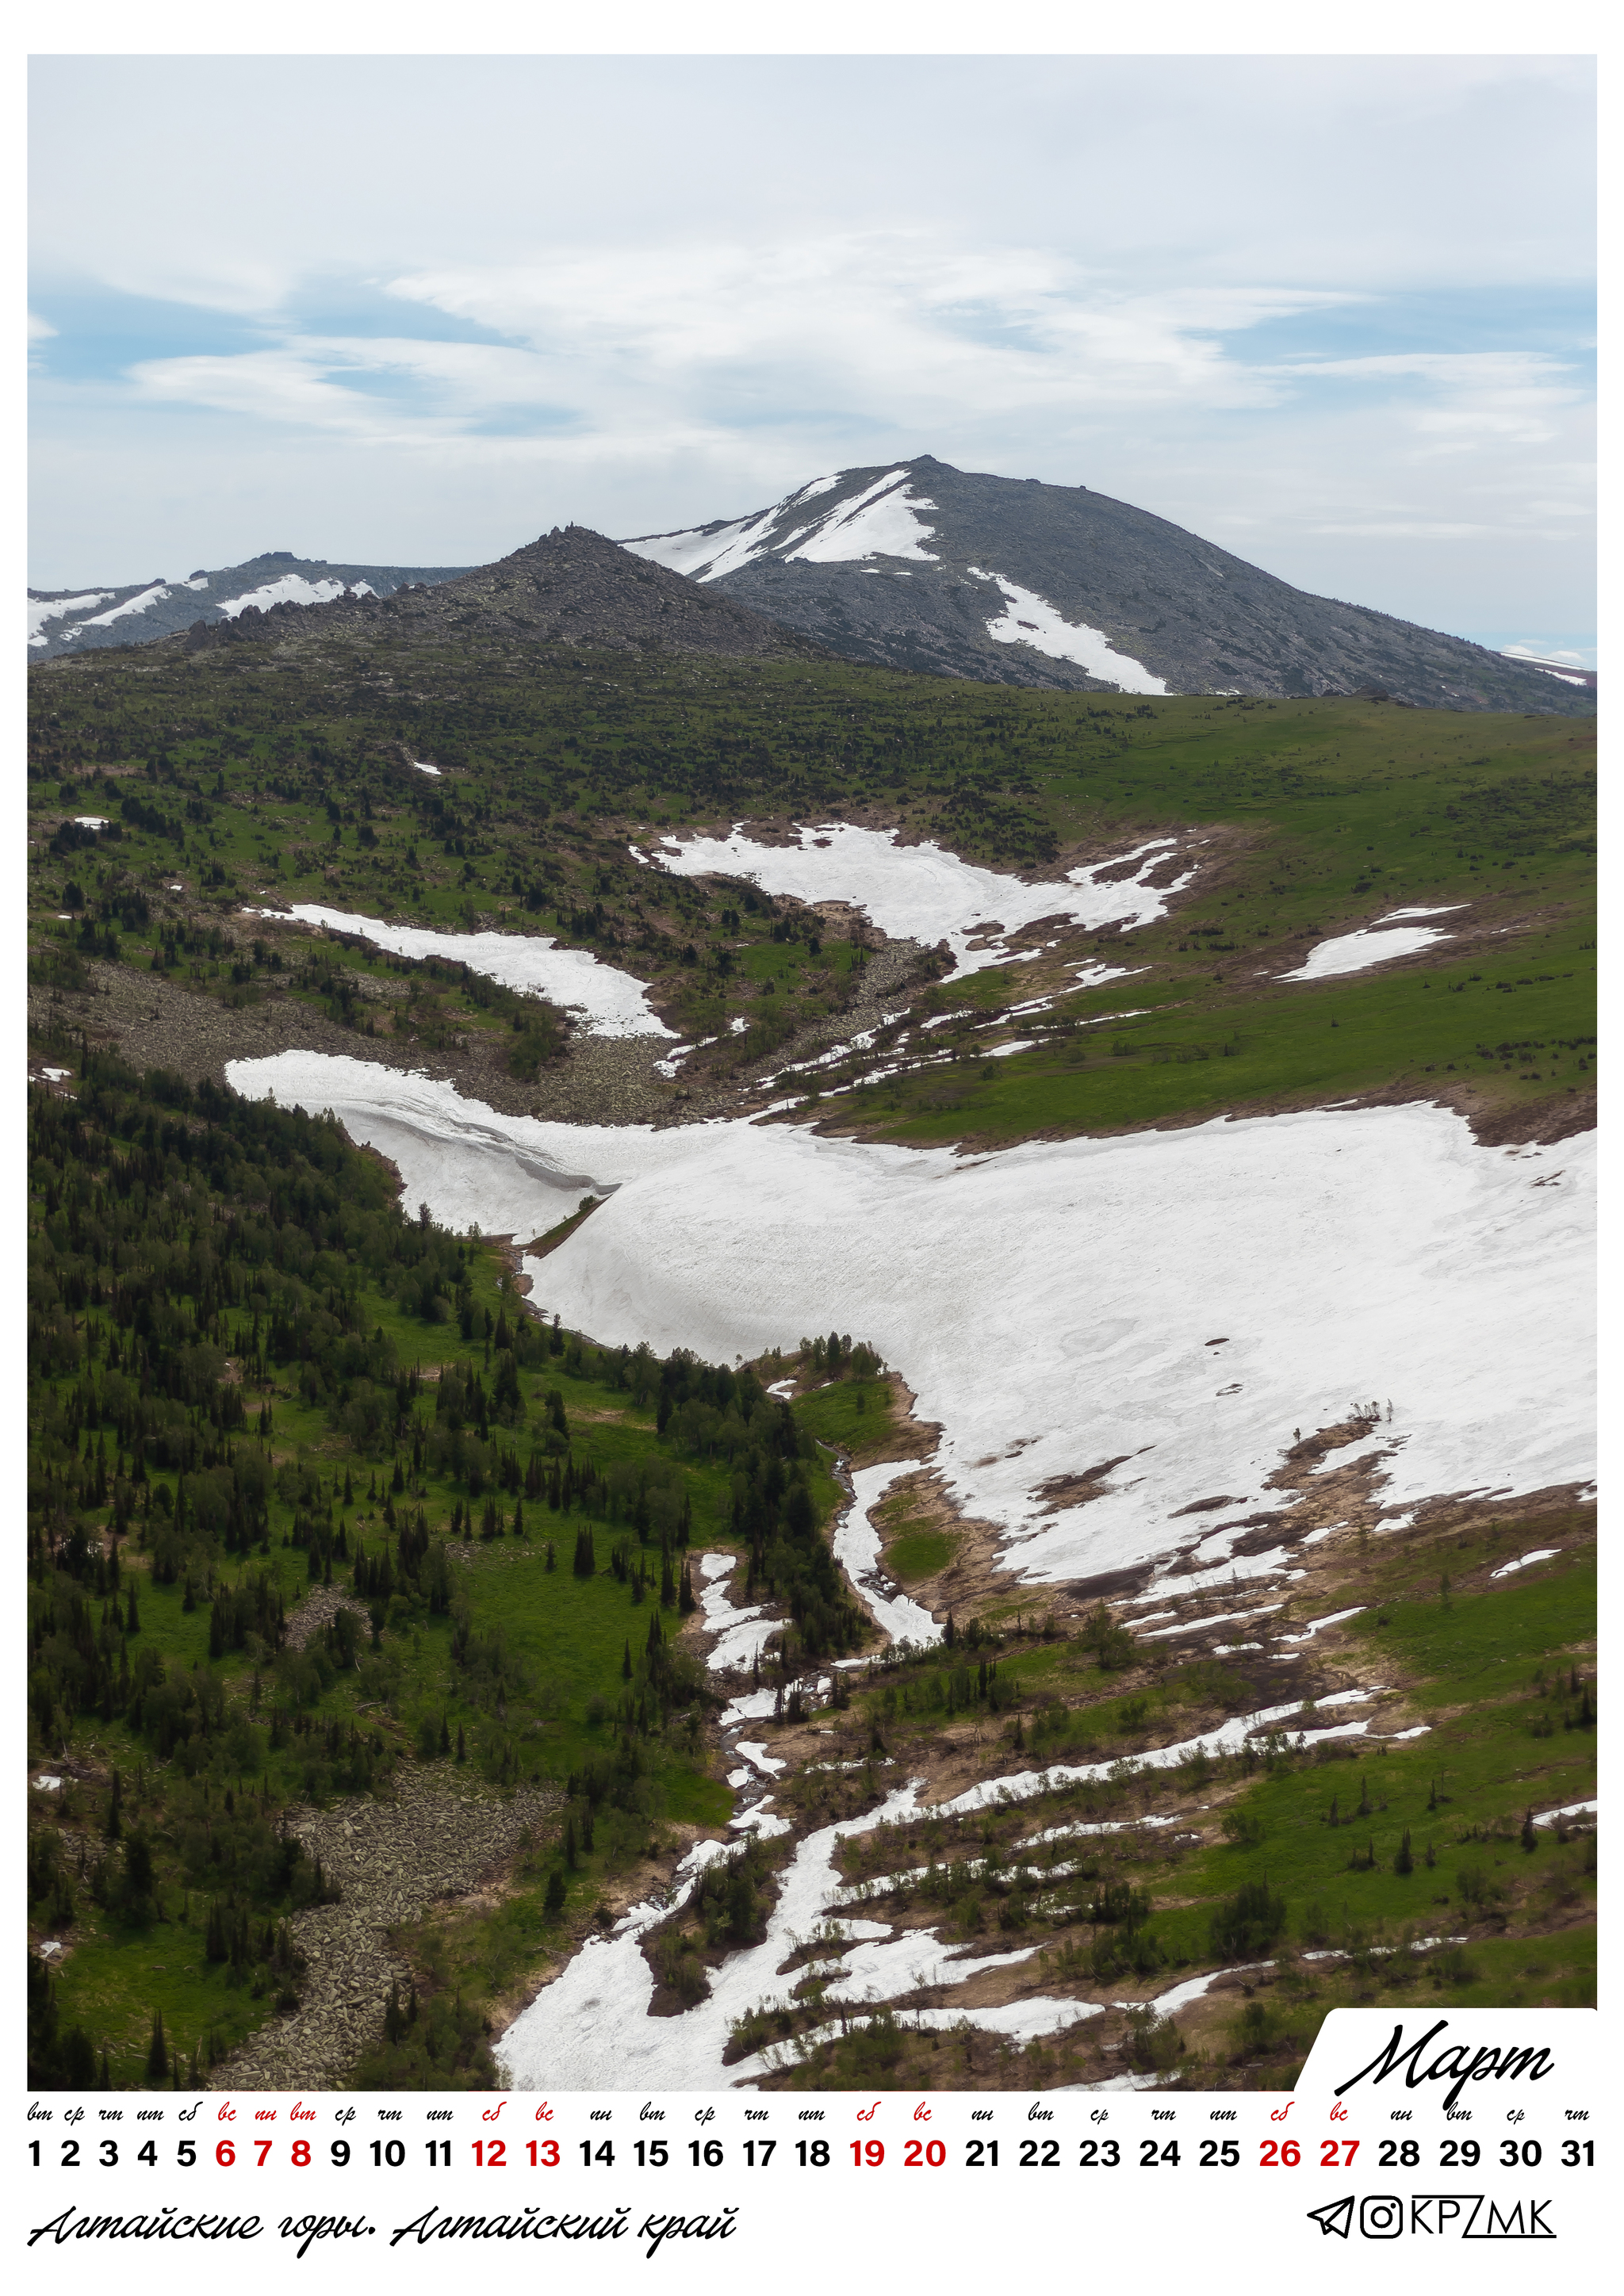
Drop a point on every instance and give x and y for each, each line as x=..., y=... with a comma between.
x=923, y=567
x=108, y=614
x=914, y=565
x=569, y=587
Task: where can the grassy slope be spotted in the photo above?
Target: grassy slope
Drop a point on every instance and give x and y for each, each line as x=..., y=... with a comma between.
x=567, y=1633
x=1327, y=815
x=1487, y=1667
x=1324, y=815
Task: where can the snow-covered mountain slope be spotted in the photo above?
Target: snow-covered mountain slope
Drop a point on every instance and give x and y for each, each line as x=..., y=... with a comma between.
x=924, y=567
x=68, y=621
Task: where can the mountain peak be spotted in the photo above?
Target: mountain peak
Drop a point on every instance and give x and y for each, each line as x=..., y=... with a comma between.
x=921, y=566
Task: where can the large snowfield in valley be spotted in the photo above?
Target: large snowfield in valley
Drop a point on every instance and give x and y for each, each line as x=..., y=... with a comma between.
x=1175, y=1303
x=924, y=892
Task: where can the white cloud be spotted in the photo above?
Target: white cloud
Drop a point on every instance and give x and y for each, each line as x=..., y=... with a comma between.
x=1089, y=270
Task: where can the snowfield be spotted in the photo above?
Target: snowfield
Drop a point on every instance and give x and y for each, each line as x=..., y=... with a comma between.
x=1052, y=1305
x=612, y=1003
x=1029, y=620
x=42, y=610
x=151, y=596
x=1375, y=944
x=294, y=589
x=924, y=892
x=881, y=522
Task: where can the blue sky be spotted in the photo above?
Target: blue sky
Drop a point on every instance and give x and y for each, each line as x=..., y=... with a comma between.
x=1334, y=313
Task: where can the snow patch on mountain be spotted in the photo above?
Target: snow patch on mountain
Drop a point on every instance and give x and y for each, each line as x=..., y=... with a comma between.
x=881, y=522
x=1029, y=620
x=706, y=553
x=42, y=610
x=293, y=589
x=151, y=596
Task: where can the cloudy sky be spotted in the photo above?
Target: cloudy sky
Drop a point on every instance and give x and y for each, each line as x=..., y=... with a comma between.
x=1334, y=313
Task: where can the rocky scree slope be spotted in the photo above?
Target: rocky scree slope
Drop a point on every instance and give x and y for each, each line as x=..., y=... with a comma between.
x=922, y=567
x=131, y=613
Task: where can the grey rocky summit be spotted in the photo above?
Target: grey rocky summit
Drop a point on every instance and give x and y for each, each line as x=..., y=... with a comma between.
x=569, y=587
x=922, y=567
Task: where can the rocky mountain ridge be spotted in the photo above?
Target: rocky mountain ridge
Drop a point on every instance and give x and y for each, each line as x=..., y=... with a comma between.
x=569, y=587
x=133, y=613
x=919, y=566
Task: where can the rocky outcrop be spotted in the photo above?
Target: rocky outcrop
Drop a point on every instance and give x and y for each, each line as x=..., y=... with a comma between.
x=571, y=587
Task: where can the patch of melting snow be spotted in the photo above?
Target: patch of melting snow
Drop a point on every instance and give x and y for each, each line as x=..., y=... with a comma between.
x=1103, y=1825
x=1029, y=620
x=1545, y=1818
x=762, y=1821
x=768, y=1763
x=1229, y=1738
x=752, y=1706
x=1539, y=1555
x=1333, y=1618
x=1373, y=944
x=925, y=892
x=42, y=610
x=1090, y=1266
x=1220, y=1619
x=742, y=1635
x=857, y=1549
x=1190, y=1989
x=295, y=590
x=612, y=1003
x=422, y=765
